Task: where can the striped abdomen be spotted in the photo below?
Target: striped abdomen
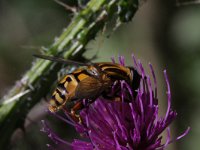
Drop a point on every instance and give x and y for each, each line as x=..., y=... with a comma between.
x=116, y=71
x=119, y=72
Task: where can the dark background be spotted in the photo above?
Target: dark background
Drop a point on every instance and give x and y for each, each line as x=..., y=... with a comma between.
x=162, y=32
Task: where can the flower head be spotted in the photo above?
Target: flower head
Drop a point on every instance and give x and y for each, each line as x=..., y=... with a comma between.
x=127, y=123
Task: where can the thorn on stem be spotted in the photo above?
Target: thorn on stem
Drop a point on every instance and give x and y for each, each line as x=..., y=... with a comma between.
x=67, y=7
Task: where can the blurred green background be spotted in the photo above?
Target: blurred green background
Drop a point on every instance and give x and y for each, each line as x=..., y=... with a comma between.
x=163, y=33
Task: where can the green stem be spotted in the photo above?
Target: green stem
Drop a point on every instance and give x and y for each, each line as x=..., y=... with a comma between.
x=71, y=45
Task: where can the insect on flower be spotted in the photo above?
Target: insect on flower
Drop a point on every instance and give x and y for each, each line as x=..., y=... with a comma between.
x=89, y=82
x=121, y=125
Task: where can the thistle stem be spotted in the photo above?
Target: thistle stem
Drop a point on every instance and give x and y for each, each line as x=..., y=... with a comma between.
x=37, y=81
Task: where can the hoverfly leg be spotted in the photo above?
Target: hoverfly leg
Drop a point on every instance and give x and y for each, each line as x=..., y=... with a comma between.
x=114, y=98
x=74, y=111
x=110, y=97
x=106, y=96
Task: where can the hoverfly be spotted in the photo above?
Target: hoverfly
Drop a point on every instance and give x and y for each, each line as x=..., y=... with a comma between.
x=88, y=82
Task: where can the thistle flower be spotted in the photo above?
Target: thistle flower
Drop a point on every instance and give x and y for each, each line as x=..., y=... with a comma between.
x=122, y=125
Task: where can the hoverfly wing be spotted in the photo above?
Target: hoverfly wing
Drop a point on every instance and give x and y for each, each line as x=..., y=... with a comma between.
x=61, y=60
x=89, y=87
